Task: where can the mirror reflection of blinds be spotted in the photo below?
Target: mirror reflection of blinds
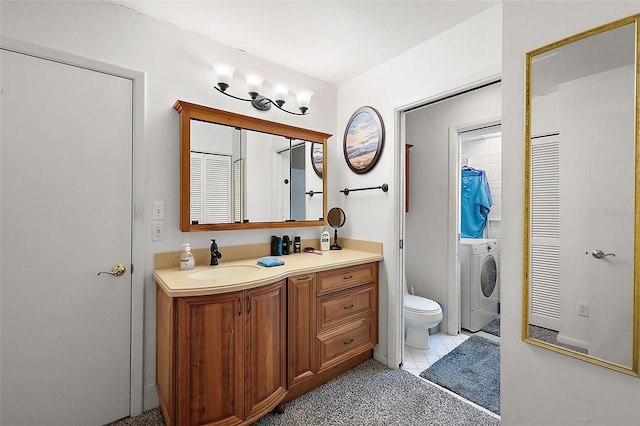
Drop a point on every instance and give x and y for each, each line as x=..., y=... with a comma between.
x=238, y=191
x=210, y=188
x=196, y=188
x=545, y=188
x=545, y=232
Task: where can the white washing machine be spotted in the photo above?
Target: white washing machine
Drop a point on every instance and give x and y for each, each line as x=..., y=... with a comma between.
x=478, y=282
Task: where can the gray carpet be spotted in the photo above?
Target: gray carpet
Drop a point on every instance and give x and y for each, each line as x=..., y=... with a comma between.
x=472, y=370
x=370, y=394
x=493, y=327
x=551, y=336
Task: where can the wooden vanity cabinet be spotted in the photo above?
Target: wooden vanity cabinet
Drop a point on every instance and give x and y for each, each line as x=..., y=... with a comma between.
x=347, y=311
x=333, y=324
x=227, y=352
x=230, y=358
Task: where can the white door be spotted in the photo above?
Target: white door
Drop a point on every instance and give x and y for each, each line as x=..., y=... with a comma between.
x=66, y=180
x=283, y=183
x=610, y=183
x=597, y=177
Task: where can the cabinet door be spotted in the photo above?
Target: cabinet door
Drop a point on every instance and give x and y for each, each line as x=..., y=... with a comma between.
x=301, y=328
x=265, y=349
x=210, y=362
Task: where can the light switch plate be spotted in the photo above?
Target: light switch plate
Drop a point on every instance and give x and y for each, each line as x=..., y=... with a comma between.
x=158, y=210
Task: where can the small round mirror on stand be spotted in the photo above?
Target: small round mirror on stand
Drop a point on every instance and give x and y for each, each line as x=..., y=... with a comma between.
x=336, y=219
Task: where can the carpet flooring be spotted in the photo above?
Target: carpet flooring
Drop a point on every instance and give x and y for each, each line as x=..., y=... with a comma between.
x=471, y=370
x=370, y=394
x=551, y=336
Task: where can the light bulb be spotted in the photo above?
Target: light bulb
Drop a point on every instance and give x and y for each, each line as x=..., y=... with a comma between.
x=224, y=74
x=304, y=99
x=254, y=84
x=281, y=91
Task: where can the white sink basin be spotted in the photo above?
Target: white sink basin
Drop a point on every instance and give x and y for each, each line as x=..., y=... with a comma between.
x=224, y=272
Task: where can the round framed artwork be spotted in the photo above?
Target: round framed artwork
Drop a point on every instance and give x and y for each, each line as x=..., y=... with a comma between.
x=363, y=139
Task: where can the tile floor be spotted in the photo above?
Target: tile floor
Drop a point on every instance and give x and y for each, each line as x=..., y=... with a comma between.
x=417, y=360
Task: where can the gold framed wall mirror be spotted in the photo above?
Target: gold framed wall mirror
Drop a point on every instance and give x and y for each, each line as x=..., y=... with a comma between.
x=581, y=271
x=240, y=172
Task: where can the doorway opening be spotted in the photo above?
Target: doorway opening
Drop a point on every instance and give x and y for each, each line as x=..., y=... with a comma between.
x=444, y=132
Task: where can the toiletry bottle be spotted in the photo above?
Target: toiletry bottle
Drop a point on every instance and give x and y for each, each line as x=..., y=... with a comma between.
x=286, y=245
x=324, y=239
x=296, y=244
x=187, y=261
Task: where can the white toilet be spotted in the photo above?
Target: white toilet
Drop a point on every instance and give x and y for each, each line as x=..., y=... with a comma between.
x=420, y=314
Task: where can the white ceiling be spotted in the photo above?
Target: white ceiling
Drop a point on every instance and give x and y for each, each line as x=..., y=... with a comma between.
x=333, y=41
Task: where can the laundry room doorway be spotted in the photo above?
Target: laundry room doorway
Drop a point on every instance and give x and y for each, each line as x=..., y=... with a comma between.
x=460, y=275
x=432, y=220
x=479, y=205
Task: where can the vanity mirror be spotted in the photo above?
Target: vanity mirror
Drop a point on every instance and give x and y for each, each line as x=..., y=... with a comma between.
x=581, y=294
x=239, y=172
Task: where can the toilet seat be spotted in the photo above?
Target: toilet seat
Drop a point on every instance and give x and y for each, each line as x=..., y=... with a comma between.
x=420, y=305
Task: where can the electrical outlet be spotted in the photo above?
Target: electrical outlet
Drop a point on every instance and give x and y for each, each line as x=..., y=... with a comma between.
x=157, y=229
x=157, y=210
x=583, y=309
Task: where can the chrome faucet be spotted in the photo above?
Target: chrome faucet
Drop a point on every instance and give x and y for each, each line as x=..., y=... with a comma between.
x=215, y=254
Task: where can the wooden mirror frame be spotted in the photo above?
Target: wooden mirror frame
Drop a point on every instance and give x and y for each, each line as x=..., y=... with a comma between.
x=190, y=111
x=634, y=368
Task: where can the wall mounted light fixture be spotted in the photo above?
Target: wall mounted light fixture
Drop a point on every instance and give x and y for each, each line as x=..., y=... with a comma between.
x=224, y=75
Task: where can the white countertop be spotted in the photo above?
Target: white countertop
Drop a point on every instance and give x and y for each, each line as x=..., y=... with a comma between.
x=177, y=283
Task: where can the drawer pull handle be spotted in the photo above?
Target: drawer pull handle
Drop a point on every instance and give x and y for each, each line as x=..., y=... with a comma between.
x=348, y=307
x=348, y=342
x=347, y=277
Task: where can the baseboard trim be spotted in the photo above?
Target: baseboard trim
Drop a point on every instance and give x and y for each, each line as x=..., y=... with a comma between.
x=572, y=341
x=383, y=359
x=150, y=398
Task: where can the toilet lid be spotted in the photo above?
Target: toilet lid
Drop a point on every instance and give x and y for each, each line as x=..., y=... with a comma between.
x=420, y=304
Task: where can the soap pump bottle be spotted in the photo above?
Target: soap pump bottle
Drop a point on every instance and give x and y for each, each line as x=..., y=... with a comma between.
x=187, y=262
x=324, y=239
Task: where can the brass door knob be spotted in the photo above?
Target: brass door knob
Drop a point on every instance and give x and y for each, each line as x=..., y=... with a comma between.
x=117, y=271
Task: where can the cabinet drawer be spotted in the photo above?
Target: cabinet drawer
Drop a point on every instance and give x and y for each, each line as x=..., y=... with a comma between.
x=350, y=276
x=339, y=308
x=342, y=343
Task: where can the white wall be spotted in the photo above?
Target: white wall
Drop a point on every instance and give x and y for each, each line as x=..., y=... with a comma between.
x=541, y=387
x=177, y=65
x=461, y=56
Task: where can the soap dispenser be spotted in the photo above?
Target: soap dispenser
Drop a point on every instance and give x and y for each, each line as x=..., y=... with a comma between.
x=187, y=262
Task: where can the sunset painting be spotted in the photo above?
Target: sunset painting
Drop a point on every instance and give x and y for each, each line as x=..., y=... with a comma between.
x=363, y=140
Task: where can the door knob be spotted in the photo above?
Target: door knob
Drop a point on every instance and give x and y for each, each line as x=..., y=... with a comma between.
x=116, y=271
x=599, y=254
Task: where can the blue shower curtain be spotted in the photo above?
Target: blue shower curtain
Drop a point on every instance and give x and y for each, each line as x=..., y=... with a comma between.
x=475, y=203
